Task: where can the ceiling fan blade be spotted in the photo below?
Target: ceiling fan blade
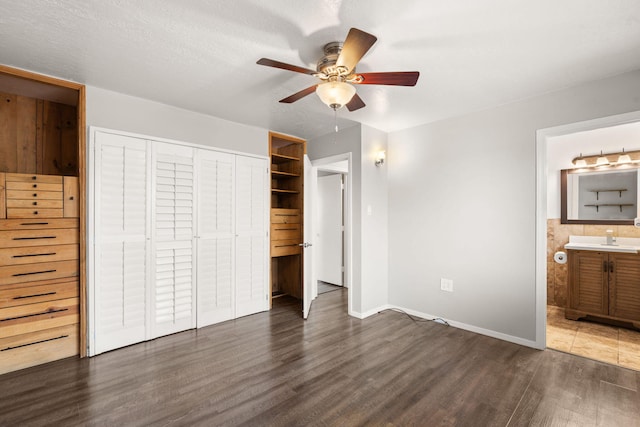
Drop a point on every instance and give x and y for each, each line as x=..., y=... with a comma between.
x=277, y=64
x=355, y=46
x=356, y=103
x=400, y=78
x=298, y=95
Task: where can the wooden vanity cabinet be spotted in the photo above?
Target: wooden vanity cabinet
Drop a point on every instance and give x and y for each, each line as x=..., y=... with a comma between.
x=604, y=285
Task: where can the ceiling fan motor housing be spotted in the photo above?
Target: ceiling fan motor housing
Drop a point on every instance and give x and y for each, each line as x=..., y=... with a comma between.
x=327, y=64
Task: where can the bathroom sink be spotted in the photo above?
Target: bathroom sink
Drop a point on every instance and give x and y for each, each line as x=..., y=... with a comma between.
x=603, y=247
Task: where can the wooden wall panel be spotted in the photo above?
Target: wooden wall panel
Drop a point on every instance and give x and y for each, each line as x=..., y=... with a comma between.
x=59, y=152
x=3, y=200
x=8, y=136
x=38, y=136
x=26, y=125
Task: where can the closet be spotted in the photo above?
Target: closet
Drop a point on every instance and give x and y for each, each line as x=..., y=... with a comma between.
x=41, y=219
x=287, y=202
x=180, y=237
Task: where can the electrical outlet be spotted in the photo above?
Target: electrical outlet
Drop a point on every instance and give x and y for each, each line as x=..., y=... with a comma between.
x=446, y=285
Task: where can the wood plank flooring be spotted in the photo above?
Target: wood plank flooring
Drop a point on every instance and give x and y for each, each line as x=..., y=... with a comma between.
x=275, y=369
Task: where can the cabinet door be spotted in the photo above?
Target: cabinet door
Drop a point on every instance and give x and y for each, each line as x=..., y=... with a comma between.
x=624, y=286
x=252, y=208
x=216, y=237
x=589, y=282
x=121, y=246
x=173, y=295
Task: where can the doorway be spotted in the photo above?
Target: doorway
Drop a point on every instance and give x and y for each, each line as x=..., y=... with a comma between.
x=332, y=219
x=556, y=148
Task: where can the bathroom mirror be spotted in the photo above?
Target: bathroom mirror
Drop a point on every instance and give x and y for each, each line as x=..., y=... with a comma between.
x=607, y=196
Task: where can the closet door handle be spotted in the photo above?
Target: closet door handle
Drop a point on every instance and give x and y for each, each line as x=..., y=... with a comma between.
x=605, y=266
x=610, y=266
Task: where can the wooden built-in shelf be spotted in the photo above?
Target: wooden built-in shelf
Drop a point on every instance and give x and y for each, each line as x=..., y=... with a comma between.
x=279, y=174
x=287, y=192
x=281, y=158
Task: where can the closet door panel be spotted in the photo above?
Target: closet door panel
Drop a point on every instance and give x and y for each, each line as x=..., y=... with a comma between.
x=216, y=237
x=252, y=207
x=173, y=270
x=121, y=245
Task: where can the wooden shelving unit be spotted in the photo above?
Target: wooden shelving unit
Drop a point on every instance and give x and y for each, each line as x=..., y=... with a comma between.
x=287, y=155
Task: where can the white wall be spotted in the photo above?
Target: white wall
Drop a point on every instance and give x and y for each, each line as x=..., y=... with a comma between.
x=374, y=217
x=127, y=113
x=462, y=206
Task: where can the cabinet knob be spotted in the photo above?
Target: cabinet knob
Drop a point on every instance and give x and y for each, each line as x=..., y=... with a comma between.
x=35, y=203
x=34, y=177
x=71, y=198
x=35, y=212
x=35, y=194
x=35, y=185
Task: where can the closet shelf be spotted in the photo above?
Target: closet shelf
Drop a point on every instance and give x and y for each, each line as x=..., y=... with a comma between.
x=281, y=158
x=281, y=191
x=279, y=174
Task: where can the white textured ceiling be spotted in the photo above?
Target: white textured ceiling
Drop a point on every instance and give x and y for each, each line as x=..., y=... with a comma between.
x=201, y=54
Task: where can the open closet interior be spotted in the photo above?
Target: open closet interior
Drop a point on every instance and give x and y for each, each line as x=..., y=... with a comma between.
x=287, y=202
x=41, y=219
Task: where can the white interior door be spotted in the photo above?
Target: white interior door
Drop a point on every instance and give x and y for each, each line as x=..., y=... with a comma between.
x=173, y=299
x=252, y=207
x=215, y=237
x=329, y=234
x=121, y=246
x=308, y=277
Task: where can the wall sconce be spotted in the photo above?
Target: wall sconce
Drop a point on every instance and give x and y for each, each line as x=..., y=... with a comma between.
x=599, y=160
x=380, y=156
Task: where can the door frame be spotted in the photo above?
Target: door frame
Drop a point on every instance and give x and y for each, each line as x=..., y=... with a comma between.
x=348, y=222
x=542, y=135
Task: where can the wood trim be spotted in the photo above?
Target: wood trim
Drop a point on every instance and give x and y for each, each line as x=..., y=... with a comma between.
x=28, y=75
x=82, y=182
x=287, y=137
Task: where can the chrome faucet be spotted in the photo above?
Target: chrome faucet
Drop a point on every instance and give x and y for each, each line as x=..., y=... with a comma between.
x=610, y=239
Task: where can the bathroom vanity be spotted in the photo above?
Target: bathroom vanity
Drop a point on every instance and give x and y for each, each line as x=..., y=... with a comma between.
x=604, y=280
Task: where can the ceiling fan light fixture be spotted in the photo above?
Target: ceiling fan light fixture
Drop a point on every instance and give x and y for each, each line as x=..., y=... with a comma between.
x=335, y=94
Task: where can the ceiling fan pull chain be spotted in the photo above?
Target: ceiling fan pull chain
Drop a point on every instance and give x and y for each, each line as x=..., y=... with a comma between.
x=335, y=118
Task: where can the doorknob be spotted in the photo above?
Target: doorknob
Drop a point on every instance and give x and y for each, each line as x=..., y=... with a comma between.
x=305, y=244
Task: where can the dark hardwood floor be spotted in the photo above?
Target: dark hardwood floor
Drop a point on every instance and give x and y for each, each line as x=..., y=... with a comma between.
x=277, y=369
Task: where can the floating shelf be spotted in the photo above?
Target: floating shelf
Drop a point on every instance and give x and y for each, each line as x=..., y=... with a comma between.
x=613, y=190
x=620, y=205
x=279, y=174
x=281, y=158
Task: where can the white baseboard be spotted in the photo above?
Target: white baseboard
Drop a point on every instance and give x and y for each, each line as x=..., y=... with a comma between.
x=459, y=325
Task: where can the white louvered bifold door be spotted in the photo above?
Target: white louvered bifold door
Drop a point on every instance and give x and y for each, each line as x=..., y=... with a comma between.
x=173, y=274
x=121, y=280
x=216, y=237
x=252, y=207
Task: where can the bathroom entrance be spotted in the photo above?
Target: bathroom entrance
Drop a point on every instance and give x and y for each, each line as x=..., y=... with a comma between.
x=600, y=338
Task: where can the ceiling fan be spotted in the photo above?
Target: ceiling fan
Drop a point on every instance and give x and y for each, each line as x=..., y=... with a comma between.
x=337, y=72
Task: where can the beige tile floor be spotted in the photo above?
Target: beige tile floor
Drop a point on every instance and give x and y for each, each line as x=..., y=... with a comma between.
x=618, y=346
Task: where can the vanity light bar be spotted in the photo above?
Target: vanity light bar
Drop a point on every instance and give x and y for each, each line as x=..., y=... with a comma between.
x=607, y=159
